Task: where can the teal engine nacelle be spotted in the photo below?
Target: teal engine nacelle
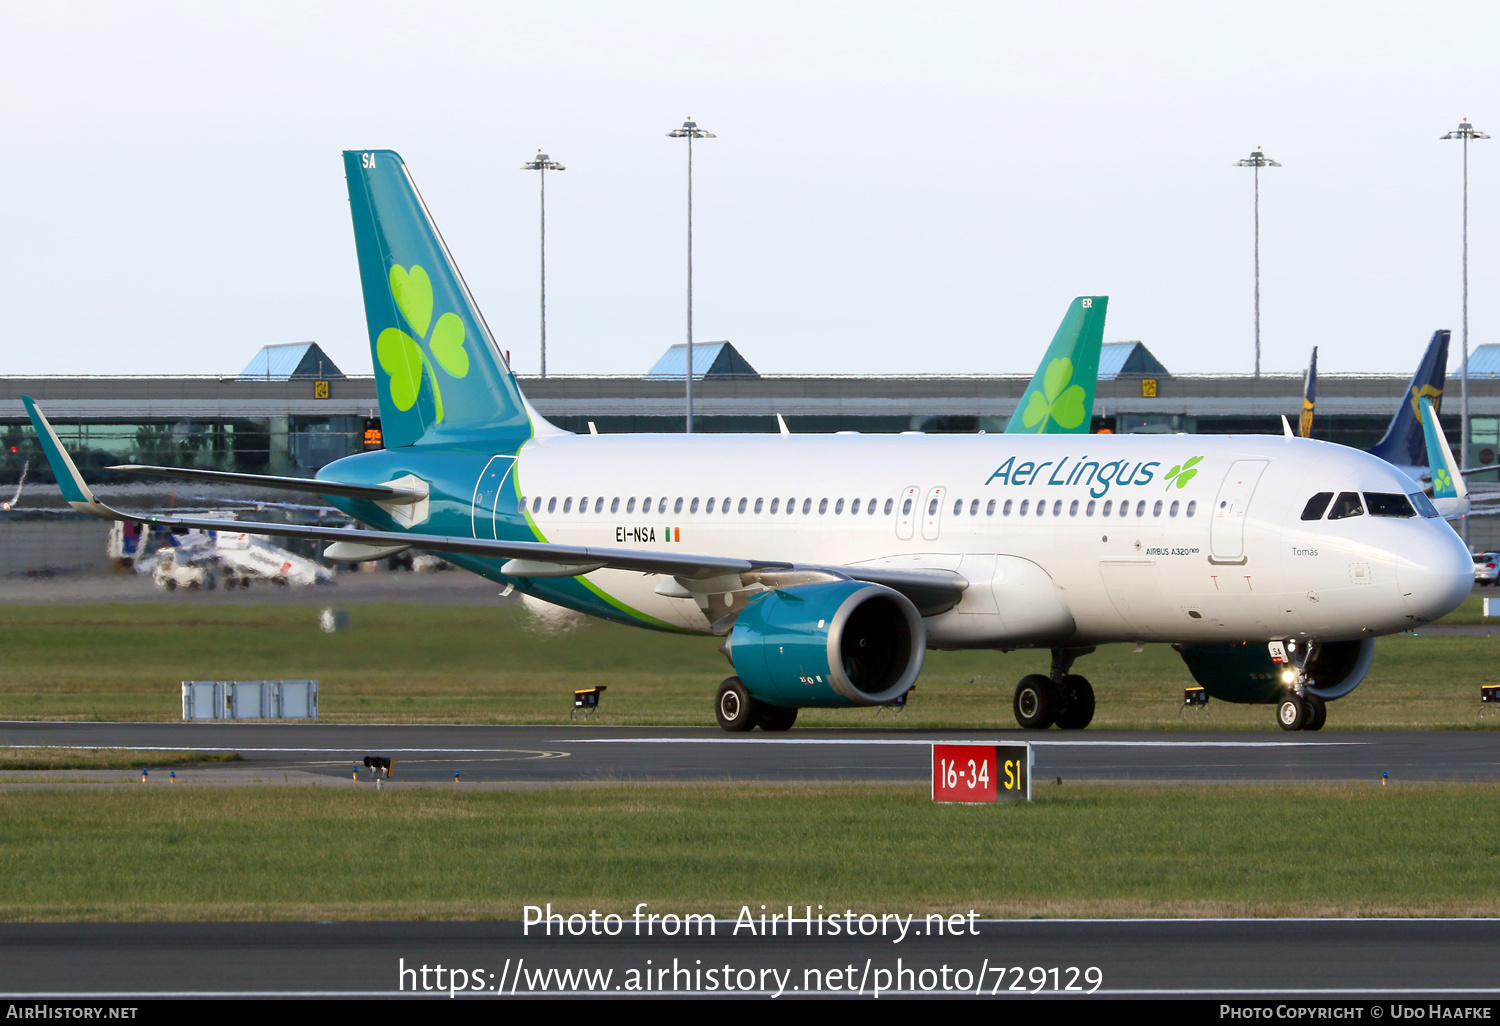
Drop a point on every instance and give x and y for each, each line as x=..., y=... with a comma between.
x=839, y=643
x=1243, y=671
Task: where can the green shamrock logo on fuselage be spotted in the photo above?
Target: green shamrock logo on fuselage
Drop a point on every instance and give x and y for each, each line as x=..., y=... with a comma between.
x=1059, y=399
x=1181, y=474
x=403, y=358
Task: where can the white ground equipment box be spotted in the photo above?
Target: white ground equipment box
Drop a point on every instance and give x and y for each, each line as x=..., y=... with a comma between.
x=249, y=699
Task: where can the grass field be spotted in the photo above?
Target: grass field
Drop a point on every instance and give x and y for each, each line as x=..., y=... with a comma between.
x=106, y=758
x=407, y=663
x=293, y=853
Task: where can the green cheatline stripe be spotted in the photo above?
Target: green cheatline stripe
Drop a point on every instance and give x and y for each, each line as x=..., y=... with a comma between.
x=591, y=586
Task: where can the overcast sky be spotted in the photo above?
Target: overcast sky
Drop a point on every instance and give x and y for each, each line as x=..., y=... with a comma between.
x=895, y=187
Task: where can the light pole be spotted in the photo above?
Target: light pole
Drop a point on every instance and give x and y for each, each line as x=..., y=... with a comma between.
x=1465, y=131
x=1257, y=160
x=689, y=131
x=543, y=163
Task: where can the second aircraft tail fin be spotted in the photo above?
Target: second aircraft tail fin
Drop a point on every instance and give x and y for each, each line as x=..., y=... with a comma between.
x=1402, y=444
x=1060, y=397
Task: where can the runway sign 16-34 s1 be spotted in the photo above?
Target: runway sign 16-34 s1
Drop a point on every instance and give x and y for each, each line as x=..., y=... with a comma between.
x=981, y=773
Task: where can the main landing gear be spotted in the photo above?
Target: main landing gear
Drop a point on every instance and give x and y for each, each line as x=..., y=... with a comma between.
x=739, y=711
x=1064, y=698
x=1301, y=712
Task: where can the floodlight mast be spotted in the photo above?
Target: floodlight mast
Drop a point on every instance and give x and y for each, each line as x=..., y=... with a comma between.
x=543, y=163
x=1257, y=160
x=689, y=131
x=1465, y=132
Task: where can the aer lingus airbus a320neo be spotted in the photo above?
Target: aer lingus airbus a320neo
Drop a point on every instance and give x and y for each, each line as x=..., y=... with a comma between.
x=829, y=564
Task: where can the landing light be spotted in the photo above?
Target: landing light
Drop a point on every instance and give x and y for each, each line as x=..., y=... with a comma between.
x=1289, y=675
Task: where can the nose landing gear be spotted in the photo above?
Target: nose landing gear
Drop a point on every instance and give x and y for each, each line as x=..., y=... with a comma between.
x=1298, y=709
x=1301, y=712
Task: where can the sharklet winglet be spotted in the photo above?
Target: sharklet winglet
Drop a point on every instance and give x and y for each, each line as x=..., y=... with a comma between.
x=74, y=489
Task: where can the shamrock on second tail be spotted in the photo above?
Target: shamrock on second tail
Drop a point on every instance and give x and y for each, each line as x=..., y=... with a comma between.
x=1059, y=399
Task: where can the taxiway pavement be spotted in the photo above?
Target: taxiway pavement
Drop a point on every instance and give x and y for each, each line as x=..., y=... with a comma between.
x=540, y=755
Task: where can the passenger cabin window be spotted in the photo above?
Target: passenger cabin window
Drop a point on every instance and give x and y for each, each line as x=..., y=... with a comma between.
x=1006, y=511
x=645, y=505
x=552, y=505
x=710, y=507
x=599, y=504
x=536, y=507
x=677, y=506
x=775, y=505
x=1317, y=506
x=989, y=510
x=568, y=504
x=1088, y=510
x=693, y=506
x=759, y=505
x=1388, y=504
x=822, y=506
x=1025, y=503
x=1346, y=505
x=838, y=507
x=1192, y=507
x=725, y=507
x=630, y=504
x=1109, y=506
x=1073, y=508
x=854, y=509
x=806, y=506
x=614, y=504
x=742, y=506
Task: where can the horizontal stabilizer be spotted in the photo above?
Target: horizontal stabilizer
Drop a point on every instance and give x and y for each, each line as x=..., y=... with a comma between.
x=314, y=486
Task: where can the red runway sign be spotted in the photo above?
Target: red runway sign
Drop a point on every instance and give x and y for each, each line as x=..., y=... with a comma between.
x=981, y=772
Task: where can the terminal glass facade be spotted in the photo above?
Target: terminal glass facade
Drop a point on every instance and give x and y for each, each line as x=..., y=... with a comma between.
x=293, y=446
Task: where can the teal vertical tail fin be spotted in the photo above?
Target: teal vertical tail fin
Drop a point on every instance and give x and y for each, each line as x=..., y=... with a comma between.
x=440, y=376
x=1060, y=398
x=1449, y=492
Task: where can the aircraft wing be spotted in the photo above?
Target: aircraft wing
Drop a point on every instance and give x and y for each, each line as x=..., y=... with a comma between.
x=930, y=591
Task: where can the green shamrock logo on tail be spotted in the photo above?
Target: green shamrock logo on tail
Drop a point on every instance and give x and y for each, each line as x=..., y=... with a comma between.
x=1441, y=481
x=403, y=358
x=1181, y=474
x=1059, y=398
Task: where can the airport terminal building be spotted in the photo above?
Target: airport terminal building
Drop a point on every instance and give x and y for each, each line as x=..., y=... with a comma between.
x=292, y=410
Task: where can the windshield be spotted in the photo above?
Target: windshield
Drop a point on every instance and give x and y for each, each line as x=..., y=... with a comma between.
x=1316, y=505
x=1388, y=504
x=1424, y=505
x=1346, y=505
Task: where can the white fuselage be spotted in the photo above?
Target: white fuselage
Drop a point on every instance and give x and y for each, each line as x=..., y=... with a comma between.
x=1063, y=538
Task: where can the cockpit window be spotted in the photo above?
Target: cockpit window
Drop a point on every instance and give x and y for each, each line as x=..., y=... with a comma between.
x=1346, y=505
x=1424, y=505
x=1316, y=505
x=1388, y=504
